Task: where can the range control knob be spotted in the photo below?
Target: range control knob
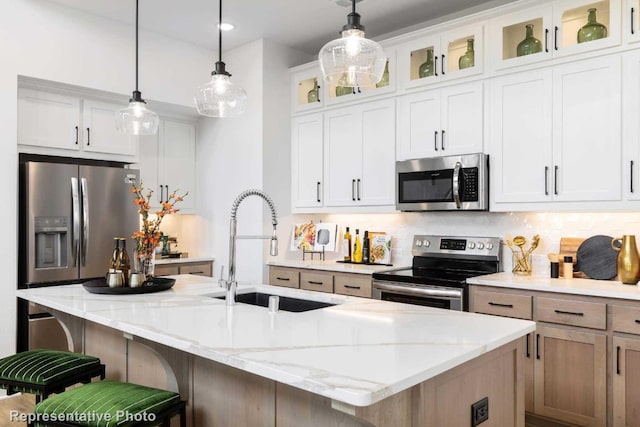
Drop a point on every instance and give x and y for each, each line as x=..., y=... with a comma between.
x=426, y=243
x=489, y=245
x=419, y=243
x=480, y=245
x=472, y=245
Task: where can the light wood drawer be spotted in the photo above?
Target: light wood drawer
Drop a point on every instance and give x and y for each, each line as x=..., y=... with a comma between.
x=625, y=319
x=283, y=276
x=568, y=312
x=356, y=285
x=500, y=304
x=316, y=281
x=199, y=269
x=166, y=270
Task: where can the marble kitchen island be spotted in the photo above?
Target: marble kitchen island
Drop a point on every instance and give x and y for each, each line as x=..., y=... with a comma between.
x=359, y=363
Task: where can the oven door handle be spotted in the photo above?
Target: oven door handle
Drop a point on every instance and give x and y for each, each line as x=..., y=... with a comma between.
x=456, y=184
x=427, y=292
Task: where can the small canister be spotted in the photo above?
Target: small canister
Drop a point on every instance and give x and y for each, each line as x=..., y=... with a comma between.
x=555, y=270
x=567, y=268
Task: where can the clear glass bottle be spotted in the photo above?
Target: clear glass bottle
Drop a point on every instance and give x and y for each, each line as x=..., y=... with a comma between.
x=385, y=77
x=468, y=59
x=530, y=44
x=357, y=248
x=312, y=95
x=346, y=245
x=593, y=30
x=123, y=260
x=427, y=69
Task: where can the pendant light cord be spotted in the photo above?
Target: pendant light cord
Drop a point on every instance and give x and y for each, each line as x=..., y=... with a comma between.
x=353, y=6
x=137, y=45
x=220, y=33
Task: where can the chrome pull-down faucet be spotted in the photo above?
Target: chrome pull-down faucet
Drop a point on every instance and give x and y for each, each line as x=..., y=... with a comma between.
x=230, y=284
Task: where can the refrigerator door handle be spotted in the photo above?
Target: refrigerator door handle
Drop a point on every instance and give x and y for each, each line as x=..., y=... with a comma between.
x=75, y=201
x=85, y=219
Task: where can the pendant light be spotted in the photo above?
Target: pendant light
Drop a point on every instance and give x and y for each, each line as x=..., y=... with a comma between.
x=220, y=97
x=352, y=60
x=137, y=119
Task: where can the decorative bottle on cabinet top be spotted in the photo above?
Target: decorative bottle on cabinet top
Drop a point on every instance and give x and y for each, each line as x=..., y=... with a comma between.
x=385, y=77
x=312, y=95
x=530, y=44
x=427, y=69
x=593, y=30
x=468, y=59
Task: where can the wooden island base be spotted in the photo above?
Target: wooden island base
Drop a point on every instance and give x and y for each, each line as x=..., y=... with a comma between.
x=220, y=395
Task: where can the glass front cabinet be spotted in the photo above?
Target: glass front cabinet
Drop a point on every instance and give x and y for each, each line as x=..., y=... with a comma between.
x=439, y=57
x=307, y=88
x=564, y=28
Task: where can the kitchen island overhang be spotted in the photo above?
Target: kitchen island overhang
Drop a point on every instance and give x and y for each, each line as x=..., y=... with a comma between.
x=357, y=353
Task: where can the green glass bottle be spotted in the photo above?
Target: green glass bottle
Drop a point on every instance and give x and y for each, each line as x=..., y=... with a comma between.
x=384, y=81
x=468, y=59
x=427, y=69
x=312, y=95
x=344, y=90
x=593, y=30
x=530, y=44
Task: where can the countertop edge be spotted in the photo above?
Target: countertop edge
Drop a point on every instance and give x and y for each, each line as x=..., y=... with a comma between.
x=336, y=266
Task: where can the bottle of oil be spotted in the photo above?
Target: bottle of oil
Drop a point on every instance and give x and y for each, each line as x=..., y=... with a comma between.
x=123, y=260
x=365, y=248
x=113, y=260
x=357, y=248
x=346, y=245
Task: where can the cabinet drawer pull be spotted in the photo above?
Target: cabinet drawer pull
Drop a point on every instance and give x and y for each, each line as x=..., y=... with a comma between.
x=435, y=65
x=638, y=321
x=435, y=140
x=555, y=179
x=528, y=352
x=538, y=346
x=318, y=191
x=546, y=180
x=76, y=135
x=196, y=272
x=286, y=279
x=442, y=65
x=555, y=39
x=546, y=40
x=618, y=360
x=311, y=282
x=572, y=313
x=351, y=287
x=631, y=176
x=353, y=190
x=442, y=140
x=632, y=13
x=359, y=184
x=88, y=136
x=497, y=304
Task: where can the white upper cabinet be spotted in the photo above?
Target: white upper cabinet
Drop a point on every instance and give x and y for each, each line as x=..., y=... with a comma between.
x=53, y=122
x=307, y=161
x=441, y=122
x=566, y=150
x=441, y=56
x=359, y=155
x=631, y=125
x=555, y=29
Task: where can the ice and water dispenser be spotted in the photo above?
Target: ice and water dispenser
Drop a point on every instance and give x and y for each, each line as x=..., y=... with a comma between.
x=51, y=241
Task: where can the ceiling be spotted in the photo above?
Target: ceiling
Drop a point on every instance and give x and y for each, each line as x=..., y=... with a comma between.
x=302, y=24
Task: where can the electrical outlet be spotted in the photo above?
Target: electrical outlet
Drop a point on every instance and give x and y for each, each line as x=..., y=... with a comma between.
x=480, y=412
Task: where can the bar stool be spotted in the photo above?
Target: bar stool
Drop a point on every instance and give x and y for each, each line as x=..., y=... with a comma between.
x=110, y=403
x=43, y=372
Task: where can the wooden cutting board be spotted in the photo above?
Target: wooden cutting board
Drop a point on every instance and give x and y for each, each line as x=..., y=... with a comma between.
x=569, y=247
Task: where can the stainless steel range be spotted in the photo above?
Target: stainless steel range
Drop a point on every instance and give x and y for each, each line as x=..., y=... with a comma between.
x=440, y=267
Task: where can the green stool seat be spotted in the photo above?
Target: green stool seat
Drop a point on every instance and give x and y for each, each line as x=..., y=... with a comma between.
x=43, y=372
x=110, y=404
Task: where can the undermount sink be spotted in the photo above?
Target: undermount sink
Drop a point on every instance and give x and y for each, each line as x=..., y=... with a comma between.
x=294, y=305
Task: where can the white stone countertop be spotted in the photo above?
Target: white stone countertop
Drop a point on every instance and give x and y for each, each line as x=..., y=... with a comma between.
x=357, y=352
x=589, y=287
x=162, y=261
x=336, y=266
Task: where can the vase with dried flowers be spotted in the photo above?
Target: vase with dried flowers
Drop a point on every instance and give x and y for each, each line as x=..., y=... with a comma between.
x=148, y=237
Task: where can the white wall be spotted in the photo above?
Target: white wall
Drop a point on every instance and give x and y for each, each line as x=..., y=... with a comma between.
x=44, y=40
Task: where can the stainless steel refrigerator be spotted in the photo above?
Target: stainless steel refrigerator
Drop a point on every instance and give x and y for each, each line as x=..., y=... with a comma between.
x=69, y=215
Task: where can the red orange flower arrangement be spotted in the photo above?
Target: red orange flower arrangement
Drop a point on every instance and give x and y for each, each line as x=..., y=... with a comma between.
x=149, y=236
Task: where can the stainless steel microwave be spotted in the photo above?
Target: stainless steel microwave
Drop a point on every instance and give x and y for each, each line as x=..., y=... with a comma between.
x=451, y=183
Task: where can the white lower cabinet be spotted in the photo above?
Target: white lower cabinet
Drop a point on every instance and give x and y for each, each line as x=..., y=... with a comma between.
x=441, y=122
x=53, y=121
x=359, y=155
x=167, y=163
x=556, y=136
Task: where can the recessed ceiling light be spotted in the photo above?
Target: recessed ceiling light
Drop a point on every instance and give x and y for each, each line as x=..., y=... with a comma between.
x=225, y=26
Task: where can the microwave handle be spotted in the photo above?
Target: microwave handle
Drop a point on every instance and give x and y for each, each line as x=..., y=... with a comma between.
x=456, y=184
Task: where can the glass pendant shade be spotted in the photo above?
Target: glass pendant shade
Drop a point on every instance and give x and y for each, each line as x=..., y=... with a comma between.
x=352, y=60
x=137, y=119
x=220, y=97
